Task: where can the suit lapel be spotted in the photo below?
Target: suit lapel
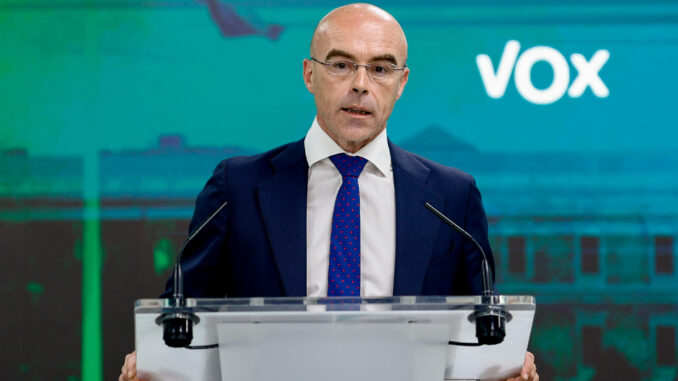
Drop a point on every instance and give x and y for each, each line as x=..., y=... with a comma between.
x=416, y=227
x=282, y=198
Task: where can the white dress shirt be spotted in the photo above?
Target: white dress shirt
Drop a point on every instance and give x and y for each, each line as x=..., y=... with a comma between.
x=377, y=213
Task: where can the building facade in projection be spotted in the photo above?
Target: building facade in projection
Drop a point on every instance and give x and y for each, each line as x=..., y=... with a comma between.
x=598, y=252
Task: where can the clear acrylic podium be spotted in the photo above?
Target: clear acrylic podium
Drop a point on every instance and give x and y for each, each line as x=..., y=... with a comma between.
x=303, y=339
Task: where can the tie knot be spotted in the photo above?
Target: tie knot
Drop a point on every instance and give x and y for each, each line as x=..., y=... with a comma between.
x=348, y=165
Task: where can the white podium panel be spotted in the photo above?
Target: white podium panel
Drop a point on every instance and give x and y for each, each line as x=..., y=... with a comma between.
x=303, y=339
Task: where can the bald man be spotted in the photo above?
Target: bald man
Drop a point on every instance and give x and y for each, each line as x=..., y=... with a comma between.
x=343, y=195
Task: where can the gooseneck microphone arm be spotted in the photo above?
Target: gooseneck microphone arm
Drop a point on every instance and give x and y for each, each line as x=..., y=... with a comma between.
x=490, y=317
x=488, y=287
x=178, y=321
x=178, y=277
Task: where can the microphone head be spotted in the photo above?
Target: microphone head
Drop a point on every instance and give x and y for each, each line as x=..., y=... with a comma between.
x=490, y=329
x=490, y=319
x=177, y=328
x=177, y=332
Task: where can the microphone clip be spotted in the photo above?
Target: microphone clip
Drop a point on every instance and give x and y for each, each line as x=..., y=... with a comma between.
x=177, y=327
x=490, y=319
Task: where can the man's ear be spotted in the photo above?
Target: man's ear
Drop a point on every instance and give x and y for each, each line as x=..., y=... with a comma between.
x=403, y=81
x=308, y=74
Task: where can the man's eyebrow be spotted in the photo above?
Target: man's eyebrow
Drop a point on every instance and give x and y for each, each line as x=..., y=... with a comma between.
x=339, y=53
x=386, y=57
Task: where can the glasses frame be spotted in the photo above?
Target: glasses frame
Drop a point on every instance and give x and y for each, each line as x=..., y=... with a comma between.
x=356, y=66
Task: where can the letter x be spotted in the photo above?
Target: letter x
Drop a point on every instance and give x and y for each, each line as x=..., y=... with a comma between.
x=588, y=74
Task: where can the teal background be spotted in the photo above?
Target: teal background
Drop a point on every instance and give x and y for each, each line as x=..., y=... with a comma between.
x=114, y=113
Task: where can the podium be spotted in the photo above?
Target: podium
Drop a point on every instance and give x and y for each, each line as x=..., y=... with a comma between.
x=337, y=338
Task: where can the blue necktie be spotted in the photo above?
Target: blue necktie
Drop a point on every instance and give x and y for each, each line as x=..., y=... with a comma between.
x=344, y=271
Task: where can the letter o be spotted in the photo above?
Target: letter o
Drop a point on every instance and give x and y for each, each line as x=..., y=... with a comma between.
x=523, y=71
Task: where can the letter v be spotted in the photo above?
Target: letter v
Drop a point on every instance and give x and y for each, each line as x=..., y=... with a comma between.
x=495, y=84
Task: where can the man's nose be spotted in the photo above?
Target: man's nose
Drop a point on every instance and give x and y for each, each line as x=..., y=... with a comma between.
x=360, y=81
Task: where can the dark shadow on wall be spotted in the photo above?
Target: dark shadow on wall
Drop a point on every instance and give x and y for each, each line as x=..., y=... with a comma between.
x=546, y=371
x=612, y=365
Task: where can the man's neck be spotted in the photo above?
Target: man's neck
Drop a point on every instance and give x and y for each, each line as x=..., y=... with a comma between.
x=318, y=145
x=346, y=145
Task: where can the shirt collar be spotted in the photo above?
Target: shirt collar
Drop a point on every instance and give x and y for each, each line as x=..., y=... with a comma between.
x=318, y=146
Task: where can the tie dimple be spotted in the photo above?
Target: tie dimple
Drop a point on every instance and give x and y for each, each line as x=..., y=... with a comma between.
x=344, y=270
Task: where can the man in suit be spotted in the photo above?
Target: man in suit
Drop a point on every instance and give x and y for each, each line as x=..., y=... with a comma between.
x=340, y=212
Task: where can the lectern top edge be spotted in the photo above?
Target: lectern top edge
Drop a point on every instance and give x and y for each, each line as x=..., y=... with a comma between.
x=511, y=302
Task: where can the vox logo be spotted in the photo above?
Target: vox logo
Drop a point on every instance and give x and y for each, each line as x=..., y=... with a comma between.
x=495, y=81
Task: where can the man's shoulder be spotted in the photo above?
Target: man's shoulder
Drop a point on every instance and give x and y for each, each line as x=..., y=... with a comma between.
x=259, y=164
x=436, y=171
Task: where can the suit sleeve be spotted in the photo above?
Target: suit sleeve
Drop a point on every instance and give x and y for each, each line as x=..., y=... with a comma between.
x=204, y=257
x=476, y=225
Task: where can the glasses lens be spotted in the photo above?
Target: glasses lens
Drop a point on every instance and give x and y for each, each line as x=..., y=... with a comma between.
x=340, y=67
x=381, y=70
x=378, y=70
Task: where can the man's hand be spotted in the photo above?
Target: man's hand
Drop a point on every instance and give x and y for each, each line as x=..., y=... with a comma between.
x=128, y=372
x=529, y=371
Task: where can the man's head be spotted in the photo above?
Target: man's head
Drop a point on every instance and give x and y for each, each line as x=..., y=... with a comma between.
x=353, y=109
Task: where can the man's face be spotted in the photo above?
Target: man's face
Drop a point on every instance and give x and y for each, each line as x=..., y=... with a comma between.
x=354, y=109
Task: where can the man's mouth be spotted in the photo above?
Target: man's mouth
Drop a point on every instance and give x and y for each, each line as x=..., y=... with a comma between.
x=356, y=111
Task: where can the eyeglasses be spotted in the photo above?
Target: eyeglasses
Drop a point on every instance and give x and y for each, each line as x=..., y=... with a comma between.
x=376, y=70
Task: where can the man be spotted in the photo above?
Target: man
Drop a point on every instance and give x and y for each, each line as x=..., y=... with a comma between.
x=344, y=195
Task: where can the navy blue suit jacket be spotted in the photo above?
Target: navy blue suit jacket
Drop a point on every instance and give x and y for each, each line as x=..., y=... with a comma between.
x=256, y=246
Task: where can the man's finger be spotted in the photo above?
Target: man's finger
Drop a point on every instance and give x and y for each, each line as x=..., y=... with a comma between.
x=529, y=369
x=130, y=366
x=123, y=371
x=529, y=355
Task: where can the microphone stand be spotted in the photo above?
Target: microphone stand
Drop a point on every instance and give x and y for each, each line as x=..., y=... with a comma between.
x=178, y=322
x=490, y=317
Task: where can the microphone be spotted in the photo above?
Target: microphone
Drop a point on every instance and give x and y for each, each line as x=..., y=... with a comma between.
x=178, y=323
x=490, y=318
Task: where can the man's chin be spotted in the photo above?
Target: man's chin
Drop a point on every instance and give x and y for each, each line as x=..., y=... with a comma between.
x=363, y=122
x=358, y=137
